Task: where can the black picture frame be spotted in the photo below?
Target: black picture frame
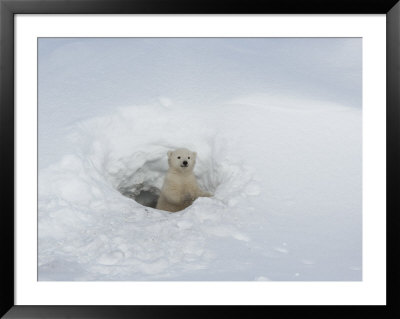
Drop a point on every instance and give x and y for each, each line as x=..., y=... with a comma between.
x=8, y=8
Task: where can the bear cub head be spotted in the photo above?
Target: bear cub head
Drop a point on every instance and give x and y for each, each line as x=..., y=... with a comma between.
x=182, y=160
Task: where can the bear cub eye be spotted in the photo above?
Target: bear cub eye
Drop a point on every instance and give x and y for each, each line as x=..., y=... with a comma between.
x=179, y=157
x=189, y=157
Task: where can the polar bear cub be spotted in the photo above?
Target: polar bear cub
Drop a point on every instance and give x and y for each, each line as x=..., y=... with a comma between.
x=180, y=187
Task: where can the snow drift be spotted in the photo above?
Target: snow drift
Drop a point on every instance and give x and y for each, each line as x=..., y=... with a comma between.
x=94, y=219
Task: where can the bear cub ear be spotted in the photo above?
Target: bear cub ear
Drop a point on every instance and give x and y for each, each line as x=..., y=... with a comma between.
x=194, y=154
x=169, y=153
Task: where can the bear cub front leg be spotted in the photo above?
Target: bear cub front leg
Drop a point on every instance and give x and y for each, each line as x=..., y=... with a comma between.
x=204, y=194
x=188, y=199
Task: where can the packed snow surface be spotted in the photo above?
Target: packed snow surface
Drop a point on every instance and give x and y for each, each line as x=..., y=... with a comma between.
x=285, y=169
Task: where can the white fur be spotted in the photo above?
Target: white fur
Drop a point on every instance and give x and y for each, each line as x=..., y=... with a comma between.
x=180, y=187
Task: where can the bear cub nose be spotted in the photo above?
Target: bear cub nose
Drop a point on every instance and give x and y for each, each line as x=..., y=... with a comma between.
x=185, y=163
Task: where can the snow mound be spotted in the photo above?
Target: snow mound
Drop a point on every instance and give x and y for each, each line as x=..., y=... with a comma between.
x=129, y=152
x=96, y=205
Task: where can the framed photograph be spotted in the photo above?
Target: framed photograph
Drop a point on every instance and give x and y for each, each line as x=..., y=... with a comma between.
x=178, y=154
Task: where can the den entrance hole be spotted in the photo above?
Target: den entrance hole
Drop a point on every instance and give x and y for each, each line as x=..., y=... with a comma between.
x=144, y=196
x=143, y=184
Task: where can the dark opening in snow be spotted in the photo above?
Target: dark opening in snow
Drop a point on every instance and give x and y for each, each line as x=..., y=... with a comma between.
x=146, y=197
x=140, y=176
